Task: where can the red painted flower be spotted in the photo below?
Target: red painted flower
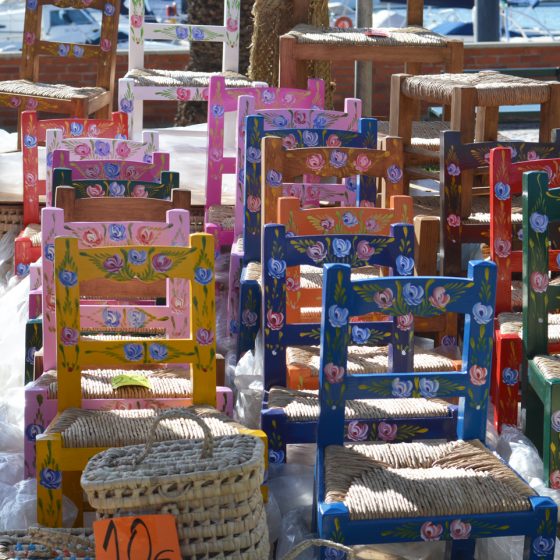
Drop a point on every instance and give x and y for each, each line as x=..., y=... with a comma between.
x=364, y=250
x=478, y=375
x=357, y=431
x=539, y=282
x=459, y=530
x=334, y=374
x=384, y=299
x=82, y=150
x=431, y=532
x=95, y=191
x=502, y=248
x=92, y=237
x=555, y=480
x=253, y=203
x=386, y=432
x=453, y=220
x=123, y=150
x=362, y=163
x=105, y=45
x=136, y=21
x=29, y=38
x=183, y=94
x=145, y=235
x=274, y=321
x=139, y=191
x=316, y=162
x=289, y=142
x=439, y=298
x=333, y=141
x=405, y=322
x=292, y=284
x=232, y=25
x=204, y=336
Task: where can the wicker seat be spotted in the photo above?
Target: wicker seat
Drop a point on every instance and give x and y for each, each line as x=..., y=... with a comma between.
x=56, y=91
x=300, y=406
x=221, y=215
x=33, y=232
x=512, y=323
x=393, y=481
x=180, y=78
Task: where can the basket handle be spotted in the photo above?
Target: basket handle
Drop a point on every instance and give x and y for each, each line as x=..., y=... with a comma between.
x=304, y=545
x=208, y=442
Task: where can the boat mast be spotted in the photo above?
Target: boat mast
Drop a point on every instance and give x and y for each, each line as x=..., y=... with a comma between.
x=487, y=20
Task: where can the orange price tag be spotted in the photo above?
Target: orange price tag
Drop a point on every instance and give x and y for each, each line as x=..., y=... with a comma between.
x=141, y=537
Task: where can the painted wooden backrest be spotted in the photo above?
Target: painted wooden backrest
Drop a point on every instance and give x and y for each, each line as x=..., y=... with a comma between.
x=103, y=54
x=505, y=182
x=420, y=296
x=91, y=188
x=284, y=251
x=172, y=317
x=75, y=352
x=541, y=207
x=222, y=100
x=228, y=34
x=274, y=120
x=33, y=133
x=100, y=149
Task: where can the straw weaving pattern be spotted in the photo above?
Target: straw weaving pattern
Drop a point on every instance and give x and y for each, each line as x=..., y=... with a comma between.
x=58, y=91
x=512, y=323
x=422, y=479
x=11, y=218
x=549, y=366
x=171, y=78
x=222, y=215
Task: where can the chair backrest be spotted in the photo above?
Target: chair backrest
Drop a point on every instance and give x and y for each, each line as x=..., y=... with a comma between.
x=222, y=100
x=275, y=120
x=505, y=182
x=228, y=34
x=101, y=149
x=284, y=251
x=92, y=188
x=541, y=207
x=104, y=54
x=161, y=228
x=75, y=352
x=420, y=296
x=33, y=133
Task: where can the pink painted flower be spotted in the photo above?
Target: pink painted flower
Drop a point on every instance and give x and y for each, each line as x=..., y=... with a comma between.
x=95, y=191
x=105, y=45
x=216, y=154
x=478, y=375
x=384, y=299
x=555, y=480
x=30, y=179
x=439, y=298
x=289, y=142
x=131, y=173
x=145, y=235
x=92, y=171
x=29, y=38
x=294, y=190
x=32, y=104
x=502, y=248
x=364, y=250
x=253, y=203
x=459, y=530
x=333, y=141
x=300, y=117
x=178, y=304
x=532, y=155
x=232, y=25
x=292, y=284
x=357, y=431
x=82, y=150
x=539, y=282
x=288, y=99
x=93, y=130
x=317, y=252
x=327, y=223
x=15, y=101
x=334, y=374
x=69, y=337
x=205, y=94
x=453, y=220
x=386, y=432
x=136, y=21
x=372, y=225
x=204, y=336
x=92, y=237
x=139, y=191
x=274, y=321
x=431, y=532
x=316, y=162
x=122, y=150
x=362, y=163
x=183, y=94
x=405, y=322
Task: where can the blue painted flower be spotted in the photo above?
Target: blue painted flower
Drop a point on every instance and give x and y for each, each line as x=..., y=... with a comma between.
x=275, y=456
x=279, y=121
x=543, y=547
x=203, y=275
x=117, y=232
x=32, y=4
x=49, y=159
x=510, y=376
x=360, y=335
x=276, y=267
x=133, y=352
x=63, y=50
x=218, y=110
x=394, y=173
x=349, y=219
x=197, y=34
x=112, y=170
x=137, y=257
x=401, y=389
x=351, y=184
x=268, y=96
x=405, y=265
x=182, y=33
x=482, y=314
x=274, y=178
x=30, y=354
x=116, y=189
x=126, y=105
x=520, y=234
x=341, y=247
x=334, y=554
x=136, y=318
x=242, y=176
x=109, y=9
x=310, y=138
x=30, y=141
x=413, y=295
x=253, y=155
x=50, y=479
x=555, y=420
x=428, y=387
x=320, y=121
x=448, y=340
x=33, y=430
x=539, y=222
x=78, y=51
x=111, y=318
x=147, y=158
x=502, y=191
x=76, y=129
x=338, y=316
x=68, y=278
x=158, y=351
x=338, y=159
x=102, y=148
x=22, y=269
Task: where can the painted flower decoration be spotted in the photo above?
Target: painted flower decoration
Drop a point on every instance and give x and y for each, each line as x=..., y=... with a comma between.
x=394, y=174
x=116, y=189
x=405, y=322
x=405, y=265
x=136, y=318
x=478, y=375
x=203, y=275
x=22, y=269
x=204, y=336
x=360, y=335
x=109, y=9
x=386, y=431
x=276, y=456
x=29, y=38
x=136, y=21
x=113, y=264
x=327, y=223
x=428, y=387
x=69, y=337
x=555, y=421
x=139, y=191
x=459, y=530
x=482, y=314
x=253, y=155
x=161, y=262
x=78, y=51
x=364, y=250
x=183, y=94
x=276, y=267
x=50, y=479
x=49, y=252
x=29, y=141
x=111, y=317
x=502, y=248
x=68, y=278
x=413, y=295
x=274, y=178
x=349, y=219
x=117, y=232
x=431, y=532
x=33, y=430
x=539, y=282
x=63, y=50
x=292, y=284
x=333, y=141
x=401, y=389
x=338, y=316
x=126, y=105
x=105, y=45
x=510, y=376
x=218, y=110
x=289, y=142
x=136, y=257
x=543, y=547
x=341, y=247
x=112, y=170
x=315, y=162
x=279, y=121
x=133, y=352
x=274, y=320
x=555, y=480
x=268, y=96
x=453, y=220
x=333, y=373
x=362, y=163
x=182, y=33
x=32, y=4
x=320, y=121
x=82, y=150
x=357, y=431
x=310, y=138
x=384, y=299
x=198, y=34
x=539, y=222
x=95, y=191
x=439, y=298
x=317, y=252
x=76, y=129
x=502, y=191
x=300, y=117
x=248, y=318
x=371, y=225
x=338, y=159
x=158, y=351
x=122, y=150
x=253, y=203
x=453, y=170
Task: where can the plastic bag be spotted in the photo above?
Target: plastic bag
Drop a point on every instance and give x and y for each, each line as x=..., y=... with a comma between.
x=292, y=485
x=11, y=468
x=273, y=519
x=520, y=453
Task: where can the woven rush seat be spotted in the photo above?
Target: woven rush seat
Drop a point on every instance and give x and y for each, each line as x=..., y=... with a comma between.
x=96, y=384
x=58, y=91
x=549, y=366
x=11, y=217
x=182, y=78
x=398, y=37
x=302, y=406
x=117, y=428
x=512, y=323
x=33, y=233
x=380, y=481
x=366, y=359
x=222, y=215
x=493, y=89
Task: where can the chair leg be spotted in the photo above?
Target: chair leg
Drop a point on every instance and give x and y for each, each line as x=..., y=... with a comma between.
x=249, y=316
x=72, y=489
x=274, y=425
x=49, y=481
x=534, y=417
x=540, y=544
x=507, y=354
x=233, y=293
x=551, y=437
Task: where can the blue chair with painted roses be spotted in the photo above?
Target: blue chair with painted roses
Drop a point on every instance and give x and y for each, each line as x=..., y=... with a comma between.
x=291, y=351
x=458, y=491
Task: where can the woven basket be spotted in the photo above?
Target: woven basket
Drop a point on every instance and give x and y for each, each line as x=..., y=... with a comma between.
x=11, y=218
x=211, y=486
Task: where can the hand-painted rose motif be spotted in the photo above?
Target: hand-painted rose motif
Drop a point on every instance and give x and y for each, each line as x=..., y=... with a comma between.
x=386, y=432
x=364, y=250
x=428, y=387
x=502, y=248
x=49, y=252
x=253, y=203
x=32, y=4
x=478, y=375
x=349, y=219
x=431, y=532
x=22, y=269
x=105, y=45
x=183, y=94
x=543, y=547
x=357, y=431
x=158, y=351
x=338, y=316
x=92, y=237
x=555, y=480
x=341, y=247
x=316, y=162
x=333, y=141
x=482, y=314
x=413, y=295
x=111, y=317
x=136, y=257
x=78, y=51
x=218, y=111
x=29, y=38
x=29, y=141
x=394, y=174
x=50, y=479
x=253, y=155
x=280, y=121
x=539, y=222
x=112, y=170
x=338, y=159
x=31, y=178
x=502, y=191
x=532, y=155
x=63, y=50
x=15, y=101
x=32, y=104
x=459, y=530
x=117, y=232
x=113, y=264
x=371, y=225
x=232, y=25
x=274, y=178
x=109, y=9
x=510, y=376
x=401, y=389
x=351, y=186
x=405, y=322
x=161, y=262
x=136, y=318
x=69, y=337
x=136, y=21
x=327, y=223
x=248, y=318
x=276, y=267
x=453, y=170
x=116, y=189
x=33, y=430
x=317, y=252
x=360, y=335
x=122, y=150
x=384, y=299
x=555, y=421
x=197, y=34
x=95, y=191
x=300, y=117
x=275, y=456
x=292, y=284
x=453, y=220
x=439, y=298
x=139, y=191
x=310, y=139
x=68, y=278
x=539, y=282
x=76, y=129
x=274, y=320
x=145, y=235
x=82, y=150
x=362, y=163
x=333, y=373
x=405, y=265
x=133, y=352
x=203, y=275
x=289, y=142
x=126, y=105
x=182, y=33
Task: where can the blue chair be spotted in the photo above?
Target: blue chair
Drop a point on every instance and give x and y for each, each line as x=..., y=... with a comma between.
x=457, y=491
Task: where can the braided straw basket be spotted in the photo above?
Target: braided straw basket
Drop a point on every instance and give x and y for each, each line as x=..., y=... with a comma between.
x=211, y=486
